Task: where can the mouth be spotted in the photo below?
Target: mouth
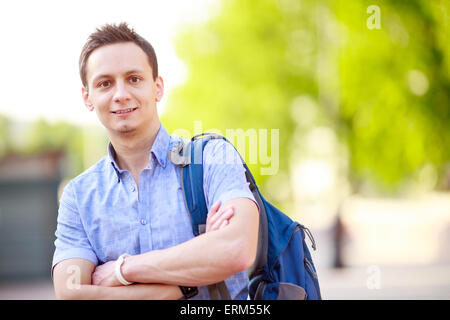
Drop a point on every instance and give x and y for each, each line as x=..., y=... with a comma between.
x=124, y=112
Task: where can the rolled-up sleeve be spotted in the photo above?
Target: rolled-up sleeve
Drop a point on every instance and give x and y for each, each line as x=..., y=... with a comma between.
x=224, y=175
x=71, y=239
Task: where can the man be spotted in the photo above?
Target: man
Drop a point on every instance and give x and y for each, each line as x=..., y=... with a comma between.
x=123, y=229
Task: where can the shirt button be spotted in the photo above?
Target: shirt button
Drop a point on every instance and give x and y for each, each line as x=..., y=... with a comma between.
x=143, y=222
x=133, y=189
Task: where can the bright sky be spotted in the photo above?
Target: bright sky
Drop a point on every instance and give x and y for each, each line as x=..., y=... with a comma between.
x=42, y=40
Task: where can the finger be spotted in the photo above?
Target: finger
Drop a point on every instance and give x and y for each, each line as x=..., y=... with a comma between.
x=212, y=221
x=226, y=216
x=94, y=279
x=216, y=205
x=224, y=224
x=214, y=208
x=219, y=224
x=214, y=213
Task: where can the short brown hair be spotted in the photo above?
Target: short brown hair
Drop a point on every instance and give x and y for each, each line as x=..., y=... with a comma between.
x=110, y=34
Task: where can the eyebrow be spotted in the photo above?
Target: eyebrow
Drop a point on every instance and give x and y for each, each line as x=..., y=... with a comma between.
x=105, y=75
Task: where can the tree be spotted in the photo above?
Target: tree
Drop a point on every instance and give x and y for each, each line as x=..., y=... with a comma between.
x=291, y=65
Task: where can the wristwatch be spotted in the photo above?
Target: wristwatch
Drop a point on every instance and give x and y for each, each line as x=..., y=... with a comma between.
x=117, y=271
x=189, y=292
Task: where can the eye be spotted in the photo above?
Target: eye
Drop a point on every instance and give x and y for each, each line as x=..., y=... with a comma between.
x=134, y=79
x=104, y=84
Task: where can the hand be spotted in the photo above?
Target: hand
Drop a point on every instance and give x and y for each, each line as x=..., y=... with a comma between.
x=105, y=276
x=218, y=218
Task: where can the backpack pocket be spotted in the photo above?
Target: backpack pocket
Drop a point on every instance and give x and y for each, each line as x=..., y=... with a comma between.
x=289, y=291
x=279, y=291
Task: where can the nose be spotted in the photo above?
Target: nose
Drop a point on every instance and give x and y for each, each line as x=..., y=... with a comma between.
x=121, y=93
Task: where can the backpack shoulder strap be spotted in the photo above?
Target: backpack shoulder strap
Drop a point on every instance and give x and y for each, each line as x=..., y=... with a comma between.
x=189, y=158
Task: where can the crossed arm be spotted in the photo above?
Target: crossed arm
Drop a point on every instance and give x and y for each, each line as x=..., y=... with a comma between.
x=208, y=258
x=72, y=280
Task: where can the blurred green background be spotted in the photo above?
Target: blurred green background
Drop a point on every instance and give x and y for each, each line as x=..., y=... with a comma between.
x=359, y=91
x=297, y=65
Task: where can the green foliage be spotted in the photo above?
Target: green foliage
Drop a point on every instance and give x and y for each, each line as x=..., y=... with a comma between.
x=43, y=136
x=395, y=91
x=240, y=74
x=385, y=92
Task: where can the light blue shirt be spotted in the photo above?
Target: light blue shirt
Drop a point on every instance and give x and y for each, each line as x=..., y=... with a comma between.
x=102, y=214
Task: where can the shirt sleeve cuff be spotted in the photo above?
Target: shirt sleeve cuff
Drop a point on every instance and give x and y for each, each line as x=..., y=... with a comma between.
x=73, y=253
x=234, y=194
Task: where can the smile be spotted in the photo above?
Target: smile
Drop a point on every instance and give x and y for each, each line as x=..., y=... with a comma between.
x=124, y=111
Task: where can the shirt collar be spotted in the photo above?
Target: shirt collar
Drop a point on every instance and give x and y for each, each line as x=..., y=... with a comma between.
x=111, y=156
x=161, y=146
x=159, y=150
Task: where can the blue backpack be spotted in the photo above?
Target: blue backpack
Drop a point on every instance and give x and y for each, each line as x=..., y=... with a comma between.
x=283, y=268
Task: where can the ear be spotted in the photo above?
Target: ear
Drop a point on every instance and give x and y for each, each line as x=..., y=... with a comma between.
x=159, y=88
x=85, y=96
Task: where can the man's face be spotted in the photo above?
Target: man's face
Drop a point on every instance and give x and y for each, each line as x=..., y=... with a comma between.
x=121, y=88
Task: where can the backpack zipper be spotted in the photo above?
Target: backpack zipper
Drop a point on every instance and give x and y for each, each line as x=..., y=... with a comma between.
x=310, y=236
x=310, y=268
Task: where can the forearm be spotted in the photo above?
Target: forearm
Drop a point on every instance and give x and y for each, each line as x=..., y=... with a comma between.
x=198, y=262
x=206, y=259
x=131, y=292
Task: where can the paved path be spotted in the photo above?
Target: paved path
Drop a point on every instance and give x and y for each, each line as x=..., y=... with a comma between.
x=390, y=283
x=372, y=282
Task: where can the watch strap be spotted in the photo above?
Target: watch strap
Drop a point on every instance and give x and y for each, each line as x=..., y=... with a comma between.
x=118, y=272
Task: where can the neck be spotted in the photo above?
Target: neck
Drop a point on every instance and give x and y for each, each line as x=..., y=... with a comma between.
x=132, y=150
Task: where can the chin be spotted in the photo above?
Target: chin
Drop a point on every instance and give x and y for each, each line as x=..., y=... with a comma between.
x=126, y=129
x=123, y=129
